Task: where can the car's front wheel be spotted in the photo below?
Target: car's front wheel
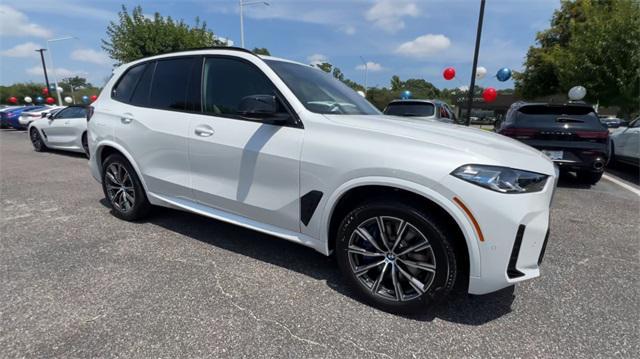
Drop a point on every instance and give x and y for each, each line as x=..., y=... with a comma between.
x=397, y=257
x=123, y=189
x=36, y=140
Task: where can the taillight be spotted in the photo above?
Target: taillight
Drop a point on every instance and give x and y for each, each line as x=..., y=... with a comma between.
x=89, y=113
x=593, y=135
x=519, y=133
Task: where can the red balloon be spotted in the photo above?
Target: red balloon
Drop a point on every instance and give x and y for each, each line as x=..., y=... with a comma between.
x=449, y=73
x=13, y=99
x=50, y=100
x=45, y=91
x=489, y=94
x=93, y=98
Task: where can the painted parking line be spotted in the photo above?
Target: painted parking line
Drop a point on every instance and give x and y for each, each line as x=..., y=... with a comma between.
x=621, y=184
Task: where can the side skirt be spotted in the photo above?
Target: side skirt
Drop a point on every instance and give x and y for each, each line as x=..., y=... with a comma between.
x=197, y=208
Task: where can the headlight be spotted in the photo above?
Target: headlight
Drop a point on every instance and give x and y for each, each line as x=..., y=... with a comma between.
x=502, y=179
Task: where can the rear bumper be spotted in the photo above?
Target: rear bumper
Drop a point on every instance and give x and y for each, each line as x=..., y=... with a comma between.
x=576, y=155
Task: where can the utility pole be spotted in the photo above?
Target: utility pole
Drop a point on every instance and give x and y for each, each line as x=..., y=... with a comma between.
x=44, y=66
x=475, y=62
x=242, y=4
x=366, y=68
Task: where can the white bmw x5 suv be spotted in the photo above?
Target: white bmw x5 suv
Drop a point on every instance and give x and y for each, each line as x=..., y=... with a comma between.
x=408, y=206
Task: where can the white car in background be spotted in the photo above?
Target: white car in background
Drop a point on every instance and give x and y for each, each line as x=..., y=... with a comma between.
x=31, y=115
x=408, y=207
x=65, y=130
x=625, y=143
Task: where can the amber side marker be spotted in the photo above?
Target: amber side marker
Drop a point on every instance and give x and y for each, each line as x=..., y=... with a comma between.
x=471, y=217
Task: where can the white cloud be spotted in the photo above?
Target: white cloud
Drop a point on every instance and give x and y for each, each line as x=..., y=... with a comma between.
x=59, y=72
x=317, y=59
x=90, y=55
x=66, y=8
x=348, y=29
x=28, y=49
x=424, y=45
x=371, y=66
x=15, y=23
x=388, y=14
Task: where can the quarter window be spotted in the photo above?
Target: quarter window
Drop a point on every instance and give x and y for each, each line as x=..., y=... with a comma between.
x=124, y=88
x=141, y=94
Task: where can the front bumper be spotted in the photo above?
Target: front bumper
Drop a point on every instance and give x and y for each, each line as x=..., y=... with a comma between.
x=515, y=229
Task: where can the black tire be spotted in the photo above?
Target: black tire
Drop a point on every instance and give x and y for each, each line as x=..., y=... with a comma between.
x=439, y=256
x=85, y=145
x=589, y=177
x=36, y=140
x=123, y=190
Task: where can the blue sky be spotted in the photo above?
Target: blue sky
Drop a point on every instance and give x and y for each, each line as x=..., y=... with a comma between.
x=412, y=39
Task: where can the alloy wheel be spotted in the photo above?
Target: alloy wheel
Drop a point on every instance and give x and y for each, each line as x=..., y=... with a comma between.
x=392, y=258
x=120, y=187
x=35, y=139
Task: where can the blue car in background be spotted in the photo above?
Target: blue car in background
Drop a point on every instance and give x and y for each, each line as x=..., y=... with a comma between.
x=10, y=117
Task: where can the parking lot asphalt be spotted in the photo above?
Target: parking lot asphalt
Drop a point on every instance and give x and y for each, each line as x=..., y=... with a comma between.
x=77, y=282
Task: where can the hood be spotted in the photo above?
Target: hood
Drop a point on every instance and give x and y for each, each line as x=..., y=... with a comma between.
x=479, y=146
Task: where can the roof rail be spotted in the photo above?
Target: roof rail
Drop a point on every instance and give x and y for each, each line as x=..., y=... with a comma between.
x=232, y=48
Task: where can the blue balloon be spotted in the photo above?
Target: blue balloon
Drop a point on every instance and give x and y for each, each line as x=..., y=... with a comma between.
x=85, y=99
x=52, y=88
x=39, y=99
x=406, y=94
x=504, y=74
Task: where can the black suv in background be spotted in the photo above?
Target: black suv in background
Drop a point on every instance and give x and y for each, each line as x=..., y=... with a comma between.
x=570, y=134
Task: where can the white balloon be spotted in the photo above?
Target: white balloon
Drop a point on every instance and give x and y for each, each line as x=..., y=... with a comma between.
x=361, y=93
x=28, y=99
x=577, y=93
x=68, y=99
x=59, y=89
x=481, y=72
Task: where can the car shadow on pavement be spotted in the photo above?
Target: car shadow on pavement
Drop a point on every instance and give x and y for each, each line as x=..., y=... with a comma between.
x=460, y=307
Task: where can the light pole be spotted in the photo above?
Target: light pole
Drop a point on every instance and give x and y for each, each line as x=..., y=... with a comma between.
x=44, y=67
x=366, y=69
x=475, y=62
x=53, y=71
x=242, y=5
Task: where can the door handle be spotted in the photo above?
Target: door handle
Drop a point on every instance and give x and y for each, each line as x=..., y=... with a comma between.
x=203, y=131
x=126, y=118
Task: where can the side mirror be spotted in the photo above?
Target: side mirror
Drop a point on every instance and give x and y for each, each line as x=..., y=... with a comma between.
x=259, y=106
x=50, y=116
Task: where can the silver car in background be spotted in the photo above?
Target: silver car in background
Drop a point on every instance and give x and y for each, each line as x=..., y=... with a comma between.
x=421, y=109
x=65, y=130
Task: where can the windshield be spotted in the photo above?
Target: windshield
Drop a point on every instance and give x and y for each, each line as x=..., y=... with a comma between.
x=320, y=92
x=422, y=109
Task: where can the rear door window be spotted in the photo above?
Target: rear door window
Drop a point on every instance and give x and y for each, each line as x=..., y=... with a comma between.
x=123, y=90
x=171, y=79
x=423, y=109
x=141, y=94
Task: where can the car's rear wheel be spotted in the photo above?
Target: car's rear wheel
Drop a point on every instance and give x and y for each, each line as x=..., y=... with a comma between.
x=398, y=258
x=36, y=140
x=123, y=189
x=589, y=177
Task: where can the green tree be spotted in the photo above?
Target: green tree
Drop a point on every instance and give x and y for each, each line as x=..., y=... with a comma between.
x=77, y=82
x=261, y=51
x=593, y=43
x=135, y=36
x=325, y=66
